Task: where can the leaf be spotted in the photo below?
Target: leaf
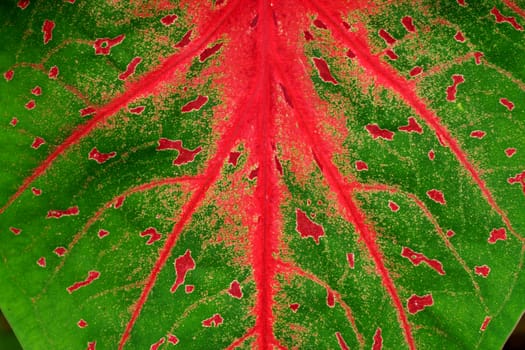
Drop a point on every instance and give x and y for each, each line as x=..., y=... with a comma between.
x=256, y=174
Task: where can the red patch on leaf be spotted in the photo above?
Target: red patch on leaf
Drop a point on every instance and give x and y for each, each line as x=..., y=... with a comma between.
x=437, y=196
x=157, y=344
x=413, y=126
x=57, y=214
x=378, y=340
x=215, y=321
x=118, y=202
x=485, y=323
x=13, y=122
x=41, y=262
x=431, y=154
x=418, y=258
x=53, y=72
x=509, y=152
x=478, y=134
x=320, y=24
x=376, y=132
x=60, y=251
x=497, y=234
x=195, y=105
x=102, y=233
x=31, y=104
x=153, y=234
x=294, y=307
x=393, y=206
x=92, y=276
x=173, y=340
x=99, y=157
x=391, y=54
x=47, y=29
x=503, y=19
x=477, y=57
x=350, y=53
x=350, y=258
x=330, y=298
x=386, y=36
x=16, y=231
x=306, y=227
x=36, y=191
x=459, y=37
x=185, y=40
x=168, y=20
x=8, y=76
x=453, y=89
x=482, y=270
x=408, y=23
x=37, y=91
x=92, y=345
x=189, y=288
x=185, y=155
x=308, y=36
x=23, y=4
x=416, y=303
x=234, y=158
x=87, y=111
x=361, y=166
x=450, y=233
x=415, y=71
x=103, y=46
x=461, y=3
x=324, y=71
x=183, y=264
x=209, y=51
x=82, y=324
x=37, y=142
x=137, y=110
x=508, y=104
x=341, y=341
x=130, y=68
x=235, y=290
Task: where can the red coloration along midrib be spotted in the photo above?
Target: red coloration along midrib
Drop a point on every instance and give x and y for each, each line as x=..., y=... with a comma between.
x=144, y=86
x=390, y=79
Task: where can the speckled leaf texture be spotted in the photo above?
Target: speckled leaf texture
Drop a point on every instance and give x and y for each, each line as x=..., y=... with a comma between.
x=257, y=174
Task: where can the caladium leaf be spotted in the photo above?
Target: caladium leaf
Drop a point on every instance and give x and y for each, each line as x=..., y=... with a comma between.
x=262, y=174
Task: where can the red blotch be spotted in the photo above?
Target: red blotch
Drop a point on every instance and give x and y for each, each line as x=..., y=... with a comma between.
x=157, y=344
x=418, y=258
x=508, y=104
x=41, y=262
x=482, y=270
x=235, y=290
x=57, y=214
x=378, y=340
x=459, y=37
x=415, y=71
x=437, y=196
x=82, y=324
x=278, y=165
x=450, y=233
x=153, y=234
x=214, y=321
x=36, y=191
x=16, y=231
x=350, y=53
x=9, y=75
x=389, y=39
x=393, y=206
x=341, y=341
x=185, y=40
x=47, y=29
x=173, y=340
x=497, y=234
x=320, y=24
x=70, y=1
x=87, y=111
x=118, y=202
x=234, y=158
x=130, y=68
x=99, y=157
x=294, y=307
x=60, y=251
x=518, y=179
x=330, y=298
x=485, y=323
x=137, y=110
x=183, y=264
x=189, y=288
x=92, y=276
x=91, y=345
x=185, y=155
x=195, y=105
x=168, y=20
x=37, y=142
x=477, y=57
x=453, y=89
x=361, y=166
x=13, y=122
x=478, y=134
x=306, y=227
x=408, y=24
x=376, y=132
x=461, y=3
x=308, y=36
x=102, y=233
x=324, y=71
x=209, y=51
x=391, y=54
x=103, y=46
x=350, y=258
x=23, y=4
x=37, y=91
x=502, y=19
x=413, y=126
x=53, y=72
x=509, y=152
x=416, y=303
x=30, y=104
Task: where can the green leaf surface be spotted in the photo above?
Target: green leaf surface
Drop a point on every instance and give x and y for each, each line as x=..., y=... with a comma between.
x=317, y=174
